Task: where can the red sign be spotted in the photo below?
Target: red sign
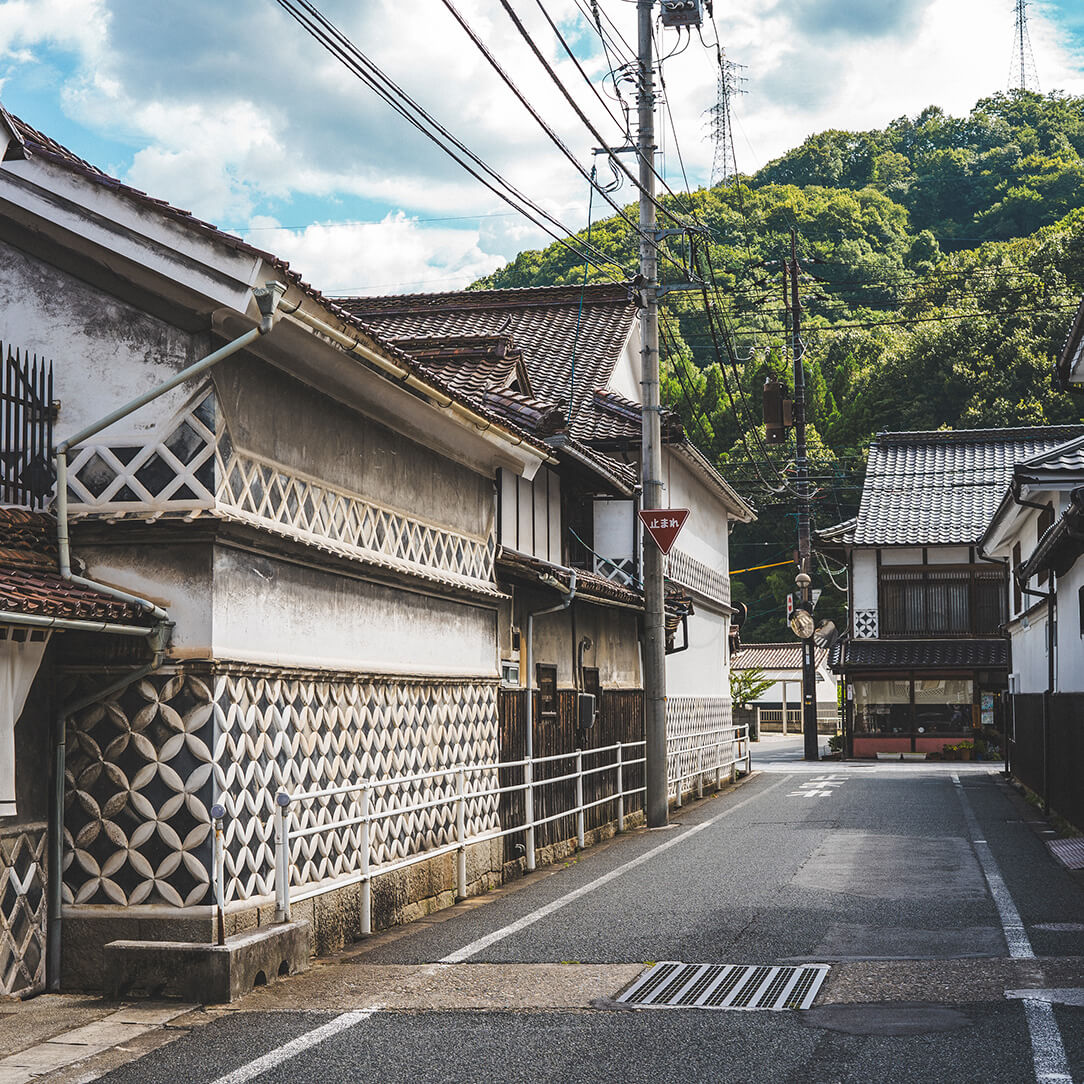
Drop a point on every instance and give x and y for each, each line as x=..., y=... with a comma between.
x=664, y=525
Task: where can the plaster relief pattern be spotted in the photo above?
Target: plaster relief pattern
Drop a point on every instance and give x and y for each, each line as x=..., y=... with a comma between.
x=700, y=737
x=145, y=767
x=302, y=734
x=865, y=624
x=269, y=495
x=193, y=467
x=697, y=576
x=23, y=911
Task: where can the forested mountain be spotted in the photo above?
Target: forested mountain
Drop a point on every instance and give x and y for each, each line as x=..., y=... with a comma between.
x=942, y=261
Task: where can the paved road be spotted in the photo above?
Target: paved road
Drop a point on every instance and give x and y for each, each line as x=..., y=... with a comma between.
x=927, y=888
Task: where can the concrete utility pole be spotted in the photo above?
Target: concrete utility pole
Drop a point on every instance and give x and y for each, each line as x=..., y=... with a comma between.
x=651, y=472
x=805, y=552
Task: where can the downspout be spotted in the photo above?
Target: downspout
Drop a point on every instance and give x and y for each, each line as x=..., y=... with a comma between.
x=267, y=297
x=1051, y=616
x=159, y=639
x=570, y=594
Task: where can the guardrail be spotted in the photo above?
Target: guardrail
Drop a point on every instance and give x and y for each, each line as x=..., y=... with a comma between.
x=352, y=810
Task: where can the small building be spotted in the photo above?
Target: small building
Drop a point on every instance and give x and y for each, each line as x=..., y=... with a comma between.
x=780, y=706
x=578, y=350
x=925, y=658
x=1038, y=531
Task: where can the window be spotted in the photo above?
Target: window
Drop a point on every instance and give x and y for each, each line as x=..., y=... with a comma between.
x=1017, y=594
x=1046, y=521
x=547, y=692
x=941, y=601
x=882, y=707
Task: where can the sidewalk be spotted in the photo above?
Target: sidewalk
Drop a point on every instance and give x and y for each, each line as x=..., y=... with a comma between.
x=69, y=1037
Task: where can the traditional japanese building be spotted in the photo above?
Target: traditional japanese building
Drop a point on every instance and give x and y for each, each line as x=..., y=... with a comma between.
x=926, y=657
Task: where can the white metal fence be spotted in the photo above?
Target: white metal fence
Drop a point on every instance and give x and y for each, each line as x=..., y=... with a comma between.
x=324, y=839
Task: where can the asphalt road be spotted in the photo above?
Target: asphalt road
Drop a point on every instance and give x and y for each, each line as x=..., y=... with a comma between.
x=928, y=889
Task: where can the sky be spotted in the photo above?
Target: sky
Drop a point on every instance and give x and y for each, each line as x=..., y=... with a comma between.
x=233, y=112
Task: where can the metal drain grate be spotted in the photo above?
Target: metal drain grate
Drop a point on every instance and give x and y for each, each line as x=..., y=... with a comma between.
x=1069, y=852
x=670, y=985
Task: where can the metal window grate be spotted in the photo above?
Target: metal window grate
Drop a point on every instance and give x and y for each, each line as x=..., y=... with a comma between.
x=726, y=986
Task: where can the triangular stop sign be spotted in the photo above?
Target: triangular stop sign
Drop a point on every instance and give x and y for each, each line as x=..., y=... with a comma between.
x=664, y=525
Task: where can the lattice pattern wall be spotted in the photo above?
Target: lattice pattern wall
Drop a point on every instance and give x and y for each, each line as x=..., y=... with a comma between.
x=192, y=467
x=145, y=768
x=697, y=576
x=23, y=910
x=865, y=624
x=693, y=721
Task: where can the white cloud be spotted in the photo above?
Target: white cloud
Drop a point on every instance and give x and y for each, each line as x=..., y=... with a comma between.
x=230, y=108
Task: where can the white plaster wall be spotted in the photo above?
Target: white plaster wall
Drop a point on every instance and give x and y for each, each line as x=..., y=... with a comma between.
x=864, y=580
x=1029, y=655
x=271, y=414
x=625, y=379
x=704, y=536
x=615, y=530
x=104, y=352
x=902, y=555
x=948, y=555
x=826, y=687
x=274, y=612
x=614, y=644
x=1070, y=676
x=702, y=670
x=176, y=576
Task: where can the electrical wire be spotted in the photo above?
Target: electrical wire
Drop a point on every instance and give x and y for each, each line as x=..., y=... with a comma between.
x=342, y=49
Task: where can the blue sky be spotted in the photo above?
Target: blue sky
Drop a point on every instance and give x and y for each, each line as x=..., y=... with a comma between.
x=232, y=112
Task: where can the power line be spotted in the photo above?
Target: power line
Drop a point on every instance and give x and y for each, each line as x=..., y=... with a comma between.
x=328, y=36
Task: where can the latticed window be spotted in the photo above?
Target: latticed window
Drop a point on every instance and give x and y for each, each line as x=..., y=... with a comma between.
x=940, y=602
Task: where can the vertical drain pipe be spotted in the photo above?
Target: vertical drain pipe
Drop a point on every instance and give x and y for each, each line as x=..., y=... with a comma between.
x=160, y=637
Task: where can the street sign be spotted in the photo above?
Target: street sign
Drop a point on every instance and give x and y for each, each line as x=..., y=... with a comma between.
x=815, y=595
x=664, y=525
x=790, y=606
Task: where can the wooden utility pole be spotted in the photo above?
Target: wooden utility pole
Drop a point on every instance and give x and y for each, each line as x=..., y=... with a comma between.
x=805, y=550
x=651, y=467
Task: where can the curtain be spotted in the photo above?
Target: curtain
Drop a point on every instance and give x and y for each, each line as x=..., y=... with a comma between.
x=19, y=664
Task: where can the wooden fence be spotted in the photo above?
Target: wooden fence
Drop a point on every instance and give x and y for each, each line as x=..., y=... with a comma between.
x=620, y=719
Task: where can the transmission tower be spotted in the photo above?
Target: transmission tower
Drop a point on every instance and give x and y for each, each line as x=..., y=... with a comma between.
x=724, y=162
x=1022, y=73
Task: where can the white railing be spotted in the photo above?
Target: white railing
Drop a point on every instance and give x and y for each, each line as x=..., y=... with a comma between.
x=355, y=816
x=728, y=748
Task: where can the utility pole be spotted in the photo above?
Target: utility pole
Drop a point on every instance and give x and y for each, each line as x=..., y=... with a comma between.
x=805, y=553
x=651, y=468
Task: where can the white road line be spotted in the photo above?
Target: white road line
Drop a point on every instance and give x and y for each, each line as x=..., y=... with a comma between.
x=297, y=1046
x=475, y=947
x=1047, y=1048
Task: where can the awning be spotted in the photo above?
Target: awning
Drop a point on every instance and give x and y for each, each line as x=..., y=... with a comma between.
x=992, y=654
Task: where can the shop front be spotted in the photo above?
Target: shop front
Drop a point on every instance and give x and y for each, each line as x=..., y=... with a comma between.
x=908, y=710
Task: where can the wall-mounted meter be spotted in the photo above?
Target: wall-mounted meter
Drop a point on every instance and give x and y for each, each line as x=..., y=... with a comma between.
x=681, y=13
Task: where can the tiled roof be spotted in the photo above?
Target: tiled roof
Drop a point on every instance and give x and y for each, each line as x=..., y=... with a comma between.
x=610, y=418
x=589, y=584
x=787, y=656
x=842, y=534
x=569, y=351
x=1065, y=457
x=920, y=654
x=31, y=584
x=35, y=143
x=942, y=487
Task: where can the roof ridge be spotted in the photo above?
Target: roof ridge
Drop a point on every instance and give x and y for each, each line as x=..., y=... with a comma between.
x=967, y=436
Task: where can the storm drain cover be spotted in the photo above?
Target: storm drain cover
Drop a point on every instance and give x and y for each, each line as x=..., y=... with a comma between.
x=1069, y=852
x=672, y=985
